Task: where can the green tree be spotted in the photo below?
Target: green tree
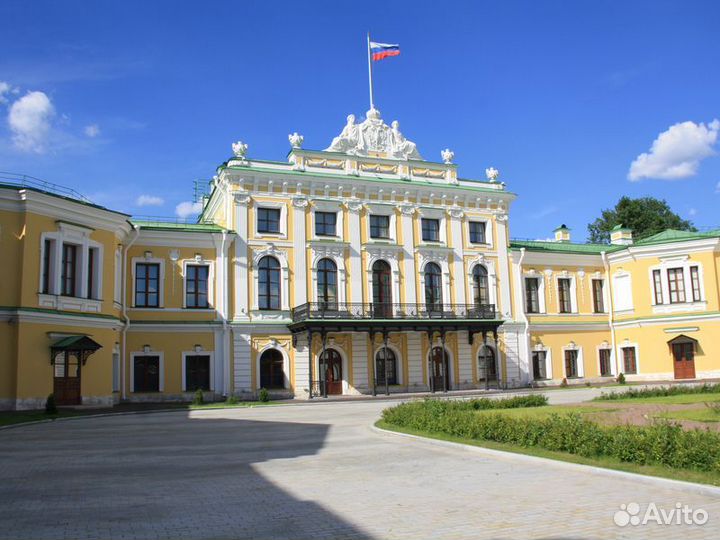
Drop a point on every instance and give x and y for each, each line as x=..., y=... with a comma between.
x=645, y=216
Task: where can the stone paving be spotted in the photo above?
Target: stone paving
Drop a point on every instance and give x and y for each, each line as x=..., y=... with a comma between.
x=312, y=471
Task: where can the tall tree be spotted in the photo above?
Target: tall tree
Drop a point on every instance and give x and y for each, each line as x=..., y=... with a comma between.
x=645, y=216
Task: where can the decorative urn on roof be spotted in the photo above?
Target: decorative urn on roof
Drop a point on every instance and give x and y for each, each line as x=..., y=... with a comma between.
x=239, y=149
x=296, y=140
x=447, y=156
x=492, y=174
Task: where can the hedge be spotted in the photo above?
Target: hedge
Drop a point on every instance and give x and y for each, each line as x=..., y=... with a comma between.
x=661, y=391
x=662, y=443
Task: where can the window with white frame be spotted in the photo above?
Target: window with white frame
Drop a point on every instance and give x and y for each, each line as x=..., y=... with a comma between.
x=197, y=279
x=477, y=232
x=271, y=219
x=605, y=359
x=539, y=365
x=71, y=263
x=532, y=295
x=629, y=356
x=572, y=363
x=598, y=292
x=565, y=303
x=147, y=285
x=433, y=226
x=381, y=222
x=197, y=372
x=622, y=292
x=676, y=282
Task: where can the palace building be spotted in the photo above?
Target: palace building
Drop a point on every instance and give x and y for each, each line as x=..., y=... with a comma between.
x=359, y=269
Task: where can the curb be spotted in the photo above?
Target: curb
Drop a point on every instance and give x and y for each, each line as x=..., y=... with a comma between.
x=700, y=489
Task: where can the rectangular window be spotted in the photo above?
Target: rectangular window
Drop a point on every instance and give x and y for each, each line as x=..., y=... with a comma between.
x=598, y=296
x=146, y=374
x=196, y=286
x=47, y=254
x=629, y=361
x=147, y=285
x=605, y=369
x=325, y=223
x=268, y=220
x=197, y=372
x=657, y=287
x=695, y=279
x=539, y=365
x=571, y=363
x=69, y=269
x=430, y=230
x=380, y=227
x=91, y=272
x=564, y=301
x=676, y=285
x=477, y=232
x=532, y=296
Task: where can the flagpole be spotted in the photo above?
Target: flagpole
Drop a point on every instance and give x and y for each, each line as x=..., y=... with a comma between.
x=372, y=105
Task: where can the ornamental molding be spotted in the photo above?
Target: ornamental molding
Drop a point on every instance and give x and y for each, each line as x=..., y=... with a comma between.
x=333, y=252
x=428, y=255
x=455, y=212
x=407, y=209
x=272, y=250
x=242, y=198
x=354, y=205
x=300, y=201
x=373, y=135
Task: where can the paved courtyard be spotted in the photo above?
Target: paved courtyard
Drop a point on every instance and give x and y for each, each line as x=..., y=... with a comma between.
x=301, y=471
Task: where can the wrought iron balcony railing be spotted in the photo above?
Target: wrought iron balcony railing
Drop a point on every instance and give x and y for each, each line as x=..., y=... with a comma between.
x=356, y=310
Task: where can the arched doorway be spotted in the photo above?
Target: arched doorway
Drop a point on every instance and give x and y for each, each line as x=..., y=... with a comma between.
x=439, y=369
x=272, y=372
x=331, y=366
x=487, y=367
x=382, y=289
x=386, y=367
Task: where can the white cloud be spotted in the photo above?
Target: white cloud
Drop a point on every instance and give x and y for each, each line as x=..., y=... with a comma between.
x=4, y=89
x=29, y=120
x=544, y=212
x=677, y=152
x=187, y=209
x=717, y=188
x=92, y=131
x=692, y=212
x=149, y=200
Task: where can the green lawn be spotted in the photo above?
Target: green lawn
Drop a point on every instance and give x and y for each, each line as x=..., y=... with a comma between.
x=547, y=410
x=699, y=477
x=698, y=415
x=679, y=399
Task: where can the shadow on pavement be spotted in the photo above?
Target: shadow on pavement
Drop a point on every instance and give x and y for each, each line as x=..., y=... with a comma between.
x=159, y=476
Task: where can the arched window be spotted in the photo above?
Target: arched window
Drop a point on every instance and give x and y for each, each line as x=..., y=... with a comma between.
x=327, y=284
x=481, y=288
x=386, y=368
x=268, y=283
x=272, y=375
x=331, y=365
x=433, y=286
x=486, y=364
x=382, y=291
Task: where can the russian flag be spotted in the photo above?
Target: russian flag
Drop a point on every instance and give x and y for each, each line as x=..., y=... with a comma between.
x=383, y=50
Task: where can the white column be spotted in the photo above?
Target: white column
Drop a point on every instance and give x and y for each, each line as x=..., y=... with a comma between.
x=359, y=355
x=242, y=306
x=505, y=307
x=241, y=361
x=302, y=373
x=407, y=211
x=456, y=231
x=219, y=362
x=415, y=361
x=465, y=360
x=354, y=208
x=299, y=281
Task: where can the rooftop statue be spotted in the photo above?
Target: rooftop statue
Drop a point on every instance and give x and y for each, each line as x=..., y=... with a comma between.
x=373, y=135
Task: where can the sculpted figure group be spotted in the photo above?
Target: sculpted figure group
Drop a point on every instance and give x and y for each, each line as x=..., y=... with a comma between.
x=375, y=136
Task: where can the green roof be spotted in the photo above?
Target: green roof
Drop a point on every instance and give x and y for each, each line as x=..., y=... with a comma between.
x=673, y=235
x=563, y=247
x=173, y=226
x=75, y=199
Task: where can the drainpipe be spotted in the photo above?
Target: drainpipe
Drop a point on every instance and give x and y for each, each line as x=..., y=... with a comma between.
x=224, y=314
x=126, y=319
x=521, y=309
x=610, y=311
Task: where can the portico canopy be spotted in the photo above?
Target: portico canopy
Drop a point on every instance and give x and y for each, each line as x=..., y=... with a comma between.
x=82, y=346
x=682, y=338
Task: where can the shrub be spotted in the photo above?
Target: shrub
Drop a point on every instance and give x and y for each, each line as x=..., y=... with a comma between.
x=50, y=406
x=661, y=391
x=198, y=398
x=663, y=443
x=263, y=395
x=621, y=378
x=232, y=400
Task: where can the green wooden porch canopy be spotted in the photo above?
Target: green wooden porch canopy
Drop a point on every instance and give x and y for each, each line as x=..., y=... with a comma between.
x=82, y=346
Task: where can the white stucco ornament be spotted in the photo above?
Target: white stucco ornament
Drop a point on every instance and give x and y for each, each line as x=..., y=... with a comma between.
x=492, y=174
x=373, y=135
x=447, y=156
x=296, y=140
x=239, y=148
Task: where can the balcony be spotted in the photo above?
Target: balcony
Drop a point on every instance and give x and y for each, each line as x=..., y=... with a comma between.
x=354, y=311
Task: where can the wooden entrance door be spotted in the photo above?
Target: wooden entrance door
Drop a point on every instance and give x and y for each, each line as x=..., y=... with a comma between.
x=684, y=360
x=439, y=370
x=333, y=372
x=66, y=381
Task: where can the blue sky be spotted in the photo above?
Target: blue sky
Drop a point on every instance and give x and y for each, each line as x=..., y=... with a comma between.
x=127, y=99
